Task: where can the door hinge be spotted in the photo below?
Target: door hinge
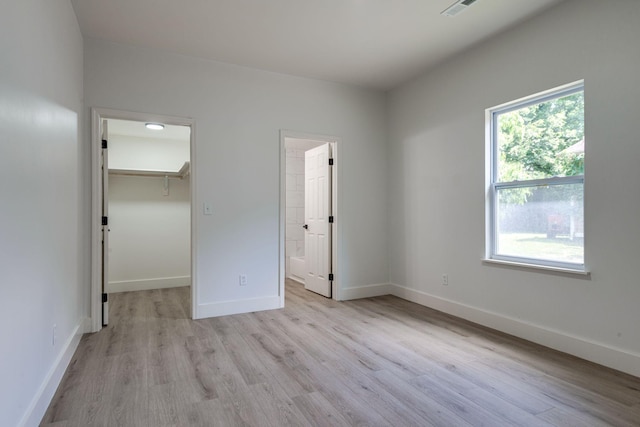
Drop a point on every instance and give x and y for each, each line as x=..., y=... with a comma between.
x=105, y=297
x=331, y=219
x=330, y=162
x=105, y=220
x=331, y=277
x=104, y=143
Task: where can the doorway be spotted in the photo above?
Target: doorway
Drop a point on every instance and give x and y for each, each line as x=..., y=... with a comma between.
x=309, y=218
x=143, y=206
x=149, y=206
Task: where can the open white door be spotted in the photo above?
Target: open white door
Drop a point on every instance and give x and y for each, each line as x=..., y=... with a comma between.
x=105, y=222
x=318, y=219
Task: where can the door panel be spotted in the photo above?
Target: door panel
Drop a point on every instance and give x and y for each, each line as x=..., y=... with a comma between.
x=105, y=228
x=317, y=210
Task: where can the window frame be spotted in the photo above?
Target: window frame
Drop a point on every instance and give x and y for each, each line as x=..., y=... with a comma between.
x=494, y=186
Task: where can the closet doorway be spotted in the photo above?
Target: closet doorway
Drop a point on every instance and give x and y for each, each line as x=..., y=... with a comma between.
x=144, y=206
x=149, y=206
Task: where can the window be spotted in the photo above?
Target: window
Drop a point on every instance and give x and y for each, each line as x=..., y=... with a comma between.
x=537, y=180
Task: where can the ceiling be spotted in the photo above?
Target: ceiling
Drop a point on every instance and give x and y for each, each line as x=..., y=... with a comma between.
x=138, y=129
x=157, y=150
x=372, y=43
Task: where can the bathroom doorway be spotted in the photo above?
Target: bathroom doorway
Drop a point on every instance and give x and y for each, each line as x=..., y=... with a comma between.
x=309, y=212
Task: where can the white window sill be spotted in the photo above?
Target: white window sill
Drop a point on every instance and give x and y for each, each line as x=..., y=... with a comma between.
x=537, y=267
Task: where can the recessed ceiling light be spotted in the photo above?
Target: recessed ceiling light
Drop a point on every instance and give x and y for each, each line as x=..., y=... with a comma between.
x=154, y=126
x=458, y=7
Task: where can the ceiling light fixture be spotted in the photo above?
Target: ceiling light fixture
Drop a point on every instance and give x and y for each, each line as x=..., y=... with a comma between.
x=154, y=126
x=458, y=7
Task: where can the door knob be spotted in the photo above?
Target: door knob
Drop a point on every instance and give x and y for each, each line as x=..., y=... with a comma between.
x=306, y=226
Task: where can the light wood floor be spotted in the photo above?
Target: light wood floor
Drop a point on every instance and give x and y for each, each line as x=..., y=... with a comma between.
x=375, y=362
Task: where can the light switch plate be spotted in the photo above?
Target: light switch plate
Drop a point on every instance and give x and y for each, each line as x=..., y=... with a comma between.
x=207, y=209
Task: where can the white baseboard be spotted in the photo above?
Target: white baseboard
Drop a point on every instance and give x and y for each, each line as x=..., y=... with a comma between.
x=42, y=399
x=85, y=325
x=226, y=308
x=296, y=278
x=146, y=284
x=595, y=352
x=367, y=291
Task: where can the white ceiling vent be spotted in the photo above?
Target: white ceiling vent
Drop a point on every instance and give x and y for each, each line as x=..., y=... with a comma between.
x=458, y=7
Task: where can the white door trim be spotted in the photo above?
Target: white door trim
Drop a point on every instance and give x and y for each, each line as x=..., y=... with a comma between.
x=335, y=193
x=97, y=114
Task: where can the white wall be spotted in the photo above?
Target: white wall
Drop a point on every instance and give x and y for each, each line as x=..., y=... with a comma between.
x=437, y=192
x=239, y=113
x=149, y=238
x=43, y=219
x=131, y=152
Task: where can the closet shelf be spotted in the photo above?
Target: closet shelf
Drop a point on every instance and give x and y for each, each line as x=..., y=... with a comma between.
x=184, y=171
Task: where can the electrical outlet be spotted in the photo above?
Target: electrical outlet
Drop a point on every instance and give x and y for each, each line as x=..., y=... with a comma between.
x=243, y=280
x=54, y=335
x=445, y=280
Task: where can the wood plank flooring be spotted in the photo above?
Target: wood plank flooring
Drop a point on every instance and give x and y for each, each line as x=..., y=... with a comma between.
x=374, y=362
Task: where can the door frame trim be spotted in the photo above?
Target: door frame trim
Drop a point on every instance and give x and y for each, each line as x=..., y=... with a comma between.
x=335, y=192
x=97, y=114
